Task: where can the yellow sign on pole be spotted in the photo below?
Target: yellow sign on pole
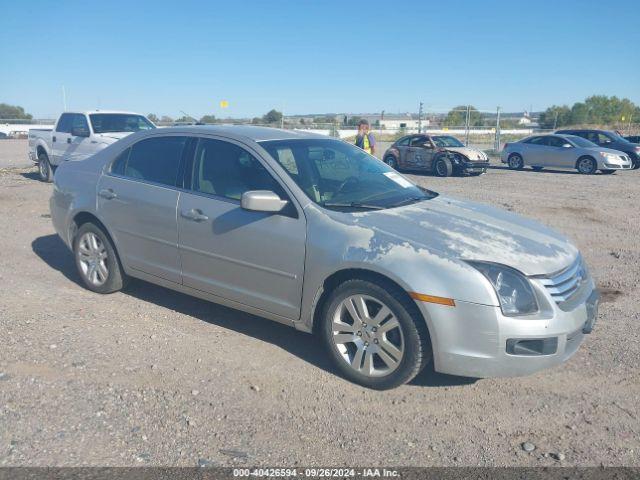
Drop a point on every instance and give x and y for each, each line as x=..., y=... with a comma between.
x=224, y=104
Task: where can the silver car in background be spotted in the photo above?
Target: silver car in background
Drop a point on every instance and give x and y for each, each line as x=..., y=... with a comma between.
x=563, y=151
x=317, y=234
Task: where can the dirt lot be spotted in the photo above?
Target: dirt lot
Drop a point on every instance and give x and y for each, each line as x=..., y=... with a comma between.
x=153, y=377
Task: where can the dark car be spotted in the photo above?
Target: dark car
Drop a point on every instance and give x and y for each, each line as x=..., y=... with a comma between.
x=443, y=155
x=608, y=139
x=633, y=138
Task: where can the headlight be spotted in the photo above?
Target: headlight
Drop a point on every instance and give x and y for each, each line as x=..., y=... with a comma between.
x=513, y=288
x=608, y=155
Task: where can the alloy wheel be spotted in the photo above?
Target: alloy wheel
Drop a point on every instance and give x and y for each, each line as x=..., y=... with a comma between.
x=92, y=256
x=585, y=165
x=367, y=335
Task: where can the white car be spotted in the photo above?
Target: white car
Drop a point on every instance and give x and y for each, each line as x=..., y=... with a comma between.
x=78, y=135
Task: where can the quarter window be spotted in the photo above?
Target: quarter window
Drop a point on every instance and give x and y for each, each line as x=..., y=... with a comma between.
x=64, y=123
x=224, y=169
x=154, y=160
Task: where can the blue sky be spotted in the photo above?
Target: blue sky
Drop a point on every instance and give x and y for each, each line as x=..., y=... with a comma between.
x=314, y=56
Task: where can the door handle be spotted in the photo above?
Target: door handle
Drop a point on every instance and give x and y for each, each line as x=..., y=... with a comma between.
x=107, y=193
x=195, y=215
x=69, y=140
x=53, y=139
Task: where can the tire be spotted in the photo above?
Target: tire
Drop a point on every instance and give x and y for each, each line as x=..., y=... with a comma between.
x=537, y=169
x=391, y=161
x=515, y=161
x=442, y=167
x=586, y=165
x=607, y=172
x=45, y=172
x=385, y=359
x=97, y=261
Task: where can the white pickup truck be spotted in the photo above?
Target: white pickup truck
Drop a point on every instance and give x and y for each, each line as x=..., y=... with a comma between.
x=78, y=135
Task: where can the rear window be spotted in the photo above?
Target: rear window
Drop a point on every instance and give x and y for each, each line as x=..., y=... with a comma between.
x=153, y=160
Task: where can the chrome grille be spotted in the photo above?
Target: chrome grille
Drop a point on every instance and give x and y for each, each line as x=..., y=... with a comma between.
x=562, y=285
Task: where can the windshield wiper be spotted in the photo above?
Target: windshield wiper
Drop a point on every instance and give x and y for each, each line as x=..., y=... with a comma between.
x=409, y=200
x=365, y=206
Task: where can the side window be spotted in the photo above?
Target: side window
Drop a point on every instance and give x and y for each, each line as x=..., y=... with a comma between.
x=119, y=164
x=536, y=141
x=64, y=123
x=591, y=136
x=404, y=141
x=227, y=170
x=79, y=122
x=555, y=141
x=156, y=160
x=418, y=141
x=602, y=139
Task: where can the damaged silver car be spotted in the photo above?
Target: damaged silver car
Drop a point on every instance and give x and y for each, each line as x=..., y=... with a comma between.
x=315, y=233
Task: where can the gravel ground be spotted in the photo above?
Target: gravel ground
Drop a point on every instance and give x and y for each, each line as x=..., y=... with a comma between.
x=13, y=153
x=153, y=377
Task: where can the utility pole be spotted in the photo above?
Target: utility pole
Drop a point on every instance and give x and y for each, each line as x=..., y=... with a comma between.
x=467, y=125
x=420, y=118
x=64, y=98
x=555, y=120
x=497, y=145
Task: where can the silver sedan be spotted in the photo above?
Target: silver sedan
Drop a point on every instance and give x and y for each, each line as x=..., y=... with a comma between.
x=563, y=151
x=317, y=234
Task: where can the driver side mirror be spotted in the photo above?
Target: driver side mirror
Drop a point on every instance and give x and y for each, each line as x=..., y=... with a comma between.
x=79, y=132
x=262, y=201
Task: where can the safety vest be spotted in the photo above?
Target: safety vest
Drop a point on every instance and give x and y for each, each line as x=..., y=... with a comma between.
x=366, y=145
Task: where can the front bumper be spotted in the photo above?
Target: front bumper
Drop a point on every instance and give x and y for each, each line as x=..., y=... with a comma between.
x=474, y=340
x=473, y=167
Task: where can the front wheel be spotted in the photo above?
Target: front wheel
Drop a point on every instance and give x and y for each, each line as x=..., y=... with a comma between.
x=442, y=167
x=97, y=261
x=586, y=166
x=391, y=161
x=374, y=334
x=45, y=172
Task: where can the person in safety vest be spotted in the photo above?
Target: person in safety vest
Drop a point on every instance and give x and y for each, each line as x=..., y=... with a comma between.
x=365, y=139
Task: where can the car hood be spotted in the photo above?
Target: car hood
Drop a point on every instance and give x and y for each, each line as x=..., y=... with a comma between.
x=112, y=137
x=470, y=153
x=466, y=230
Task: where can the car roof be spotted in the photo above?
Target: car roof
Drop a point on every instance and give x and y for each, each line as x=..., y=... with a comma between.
x=251, y=132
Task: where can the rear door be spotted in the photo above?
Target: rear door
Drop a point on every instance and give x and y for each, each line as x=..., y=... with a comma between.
x=253, y=258
x=60, y=137
x=137, y=200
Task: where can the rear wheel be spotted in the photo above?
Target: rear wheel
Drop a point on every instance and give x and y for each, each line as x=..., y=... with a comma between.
x=44, y=168
x=97, y=261
x=375, y=334
x=586, y=165
x=515, y=161
x=442, y=167
x=391, y=161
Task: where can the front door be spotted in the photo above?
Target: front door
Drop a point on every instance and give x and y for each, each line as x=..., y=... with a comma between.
x=137, y=200
x=78, y=144
x=420, y=153
x=253, y=258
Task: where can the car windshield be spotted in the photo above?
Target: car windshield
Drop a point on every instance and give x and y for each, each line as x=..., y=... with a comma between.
x=447, y=141
x=581, y=142
x=119, y=122
x=338, y=175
